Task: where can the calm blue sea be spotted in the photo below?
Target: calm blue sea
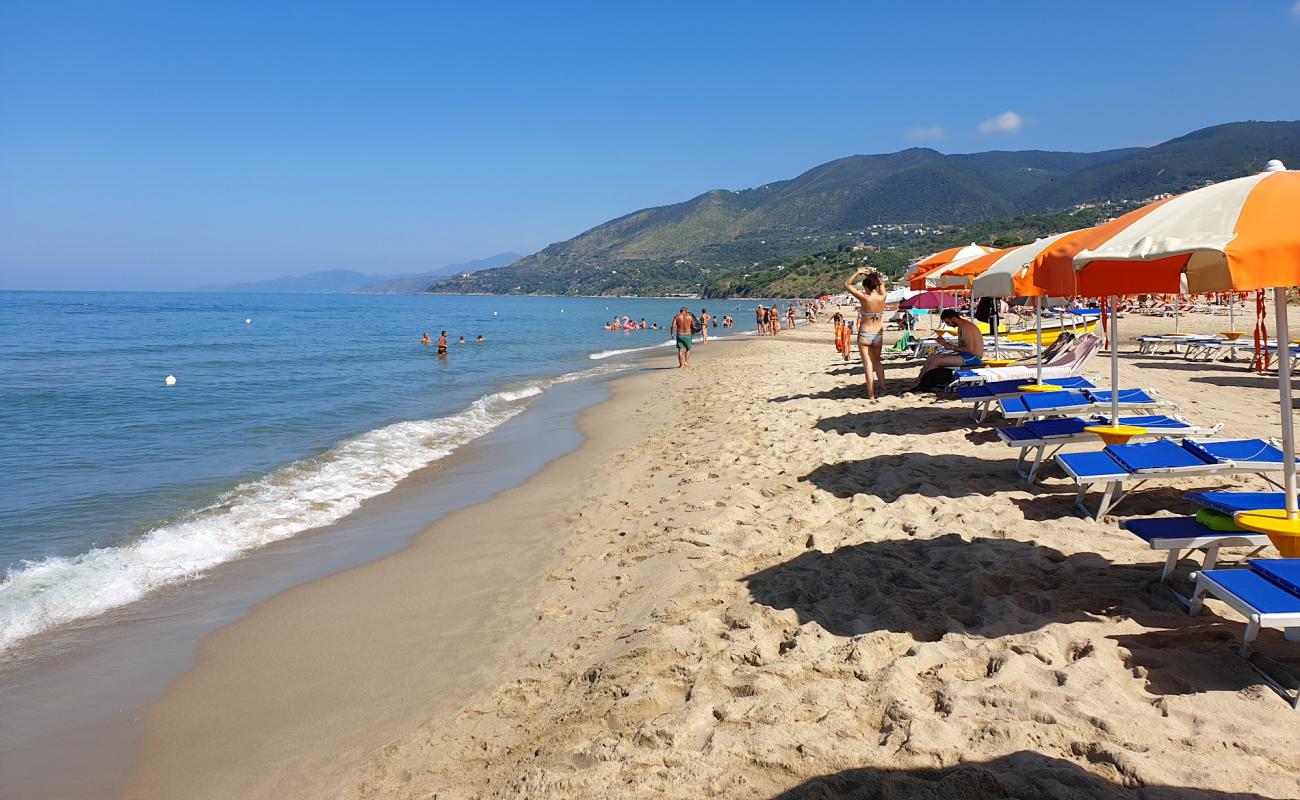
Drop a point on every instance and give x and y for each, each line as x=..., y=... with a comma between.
x=287, y=413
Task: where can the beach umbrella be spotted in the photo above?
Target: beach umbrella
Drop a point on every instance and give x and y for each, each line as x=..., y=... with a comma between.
x=899, y=295
x=922, y=267
x=1011, y=275
x=1238, y=235
x=927, y=301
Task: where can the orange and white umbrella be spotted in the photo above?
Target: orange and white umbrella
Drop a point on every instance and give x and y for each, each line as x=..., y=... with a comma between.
x=928, y=267
x=1010, y=274
x=1238, y=235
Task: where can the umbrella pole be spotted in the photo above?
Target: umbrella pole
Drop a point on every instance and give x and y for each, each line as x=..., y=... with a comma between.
x=1114, y=364
x=1232, y=311
x=1177, y=312
x=1284, y=389
x=1038, y=317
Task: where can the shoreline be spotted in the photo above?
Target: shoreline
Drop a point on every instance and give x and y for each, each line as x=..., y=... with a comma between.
x=257, y=696
x=73, y=695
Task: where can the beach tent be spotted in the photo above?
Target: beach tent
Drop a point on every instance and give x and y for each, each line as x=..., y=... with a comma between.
x=1238, y=235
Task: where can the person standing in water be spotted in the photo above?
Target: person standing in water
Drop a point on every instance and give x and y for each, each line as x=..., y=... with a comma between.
x=442, y=344
x=870, y=325
x=681, y=329
x=704, y=325
x=424, y=340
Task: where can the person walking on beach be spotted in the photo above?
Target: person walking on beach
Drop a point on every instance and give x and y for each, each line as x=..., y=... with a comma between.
x=683, y=325
x=704, y=325
x=761, y=315
x=870, y=325
x=442, y=344
x=789, y=315
x=774, y=320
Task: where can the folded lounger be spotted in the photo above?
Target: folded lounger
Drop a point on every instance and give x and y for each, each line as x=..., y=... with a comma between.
x=1038, y=435
x=1163, y=459
x=1063, y=403
x=983, y=396
x=1069, y=362
x=1267, y=595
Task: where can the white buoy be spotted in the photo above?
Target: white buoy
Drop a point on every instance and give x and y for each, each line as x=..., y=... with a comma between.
x=248, y=322
x=170, y=380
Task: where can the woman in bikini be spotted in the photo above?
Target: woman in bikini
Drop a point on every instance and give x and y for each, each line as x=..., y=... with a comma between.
x=871, y=327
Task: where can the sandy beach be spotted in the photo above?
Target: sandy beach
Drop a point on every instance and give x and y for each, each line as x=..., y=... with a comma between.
x=751, y=582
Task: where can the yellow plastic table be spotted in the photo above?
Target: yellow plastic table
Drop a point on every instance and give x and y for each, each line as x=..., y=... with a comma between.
x=1282, y=532
x=998, y=362
x=1116, y=434
x=1232, y=336
x=1039, y=387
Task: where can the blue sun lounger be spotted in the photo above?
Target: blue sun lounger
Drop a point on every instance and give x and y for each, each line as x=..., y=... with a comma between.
x=1073, y=402
x=1161, y=460
x=983, y=396
x=1038, y=435
x=1176, y=534
x=1267, y=595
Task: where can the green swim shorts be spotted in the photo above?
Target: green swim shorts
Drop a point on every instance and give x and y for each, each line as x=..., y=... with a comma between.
x=683, y=341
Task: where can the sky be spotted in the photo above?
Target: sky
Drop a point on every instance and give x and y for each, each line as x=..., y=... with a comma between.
x=166, y=145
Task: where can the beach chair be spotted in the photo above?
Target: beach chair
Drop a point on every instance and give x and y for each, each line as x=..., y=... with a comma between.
x=1178, y=534
x=1037, y=436
x=1268, y=596
x=982, y=397
x=1163, y=459
x=1069, y=362
x=1075, y=402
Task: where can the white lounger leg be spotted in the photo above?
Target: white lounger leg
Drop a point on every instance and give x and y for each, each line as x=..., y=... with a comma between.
x=1211, y=557
x=1171, y=561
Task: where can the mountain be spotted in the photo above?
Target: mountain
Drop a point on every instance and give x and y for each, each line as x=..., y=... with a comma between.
x=339, y=281
x=414, y=284
x=331, y=281
x=698, y=244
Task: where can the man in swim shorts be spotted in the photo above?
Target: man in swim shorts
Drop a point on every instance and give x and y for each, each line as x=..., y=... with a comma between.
x=967, y=352
x=442, y=343
x=681, y=329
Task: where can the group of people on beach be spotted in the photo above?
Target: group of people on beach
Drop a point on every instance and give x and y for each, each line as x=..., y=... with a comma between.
x=769, y=318
x=442, y=342
x=869, y=327
x=628, y=324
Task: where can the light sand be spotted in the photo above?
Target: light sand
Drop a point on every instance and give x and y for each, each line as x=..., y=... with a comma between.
x=772, y=589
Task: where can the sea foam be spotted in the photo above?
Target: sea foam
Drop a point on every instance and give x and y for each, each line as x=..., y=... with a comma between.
x=36, y=596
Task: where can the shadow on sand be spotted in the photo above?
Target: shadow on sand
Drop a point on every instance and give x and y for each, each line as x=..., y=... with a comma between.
x=1023, y=775
x=985, y=587
x=892, y=476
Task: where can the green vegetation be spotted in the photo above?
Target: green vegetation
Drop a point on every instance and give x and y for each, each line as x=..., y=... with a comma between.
x=790, y=237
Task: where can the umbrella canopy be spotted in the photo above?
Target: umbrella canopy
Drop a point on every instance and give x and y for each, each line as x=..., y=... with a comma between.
x=929, y=300
x=899, y=295
x=1237, y=235
x=961, y=274
x=942, y=259
x=1013, y=273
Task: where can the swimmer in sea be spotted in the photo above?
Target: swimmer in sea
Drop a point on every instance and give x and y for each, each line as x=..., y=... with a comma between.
x=424, y=340
x=461, y=340
x=442, y=344
x=479, y=338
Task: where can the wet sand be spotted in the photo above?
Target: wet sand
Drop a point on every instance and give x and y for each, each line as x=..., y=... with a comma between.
x=750, y=581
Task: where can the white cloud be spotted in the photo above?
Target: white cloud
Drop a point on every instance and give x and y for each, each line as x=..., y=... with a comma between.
x=925, y=133
x=1006, y=122
x=1295, y=9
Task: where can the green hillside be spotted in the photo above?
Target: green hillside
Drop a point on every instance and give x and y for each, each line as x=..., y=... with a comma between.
x=897, y=200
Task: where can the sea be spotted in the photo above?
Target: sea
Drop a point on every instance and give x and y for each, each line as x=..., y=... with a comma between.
x=286, y=414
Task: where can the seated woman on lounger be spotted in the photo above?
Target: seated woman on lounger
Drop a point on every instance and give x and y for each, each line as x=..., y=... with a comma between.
x=967, y=352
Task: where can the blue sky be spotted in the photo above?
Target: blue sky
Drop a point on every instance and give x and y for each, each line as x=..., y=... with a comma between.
x=164, y=145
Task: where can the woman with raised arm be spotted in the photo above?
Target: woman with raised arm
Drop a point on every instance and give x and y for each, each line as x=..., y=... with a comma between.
x=871, y=326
